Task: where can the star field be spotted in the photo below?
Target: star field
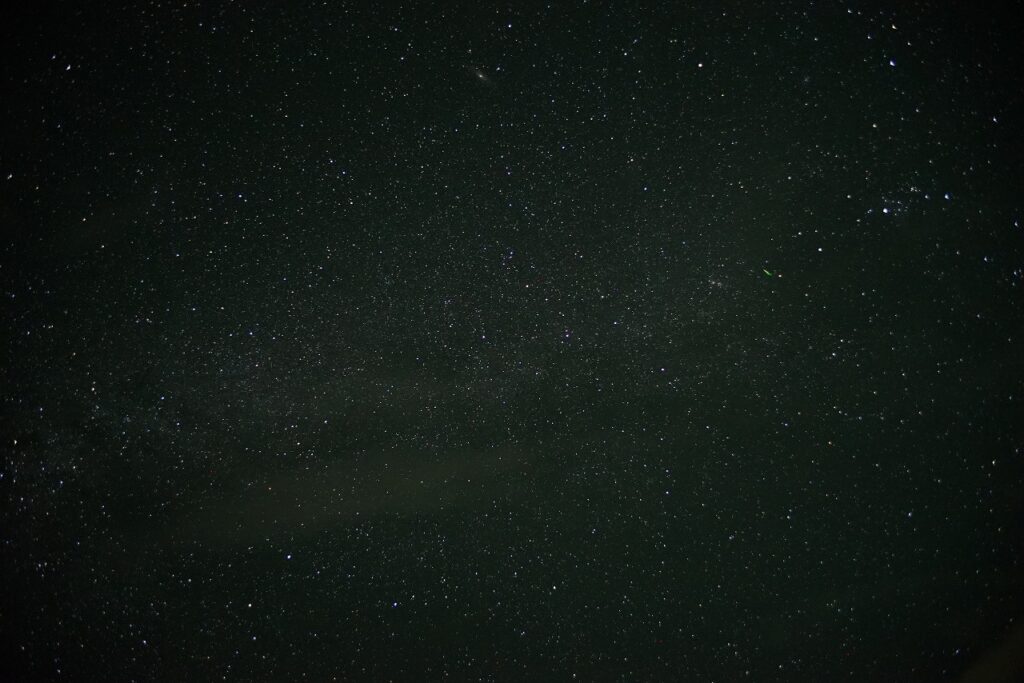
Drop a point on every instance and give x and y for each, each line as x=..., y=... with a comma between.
x=627, y=342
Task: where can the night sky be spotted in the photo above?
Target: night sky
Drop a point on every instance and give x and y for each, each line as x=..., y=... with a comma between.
x=618, y=342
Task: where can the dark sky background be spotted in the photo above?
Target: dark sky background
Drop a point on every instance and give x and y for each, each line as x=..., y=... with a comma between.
x=500, y=342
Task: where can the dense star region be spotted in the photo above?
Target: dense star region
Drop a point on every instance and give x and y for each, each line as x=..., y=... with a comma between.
x=580, y=341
